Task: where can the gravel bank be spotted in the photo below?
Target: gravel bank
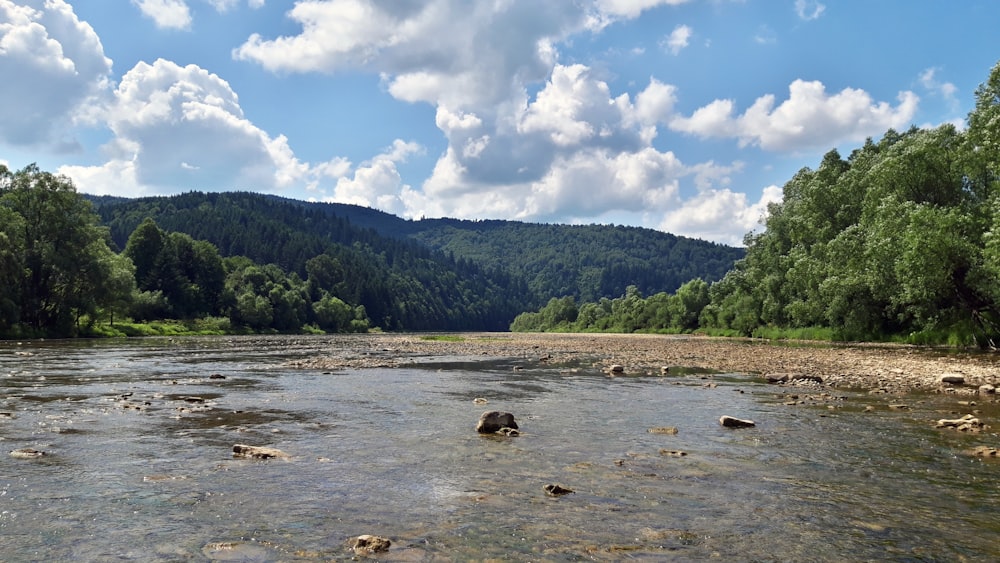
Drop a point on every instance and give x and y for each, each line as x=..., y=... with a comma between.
x=890, y=369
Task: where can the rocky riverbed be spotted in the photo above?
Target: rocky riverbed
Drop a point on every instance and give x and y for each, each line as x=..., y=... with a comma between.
x=877, y=368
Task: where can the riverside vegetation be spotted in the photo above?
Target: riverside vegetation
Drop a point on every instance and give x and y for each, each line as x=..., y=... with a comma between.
x=896, y=242
x=900, y=241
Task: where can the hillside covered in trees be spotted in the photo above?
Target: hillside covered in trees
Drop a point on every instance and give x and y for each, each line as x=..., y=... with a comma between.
x=251, y=262
x=900, y=240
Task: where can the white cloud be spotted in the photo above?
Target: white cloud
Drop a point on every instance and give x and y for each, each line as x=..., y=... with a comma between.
x=809, y=9
x=571, y=109
x=632, y=8
x=53, y=68
x=678, y=39
x=946, y=90
x=377, y=183
x=223, y=6
x=720, y=215
x=445, y=52
x=168, y=14
x=809, y=119
x=180, y=128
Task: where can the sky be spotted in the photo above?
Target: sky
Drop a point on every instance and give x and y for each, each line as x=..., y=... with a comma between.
x=686, y=116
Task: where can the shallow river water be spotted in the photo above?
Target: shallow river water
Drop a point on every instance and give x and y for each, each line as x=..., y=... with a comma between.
x=138, y=439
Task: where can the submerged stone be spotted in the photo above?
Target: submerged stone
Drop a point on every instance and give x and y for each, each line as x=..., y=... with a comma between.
x=258, y=452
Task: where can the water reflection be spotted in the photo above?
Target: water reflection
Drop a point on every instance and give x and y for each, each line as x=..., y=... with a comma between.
x=138, y=437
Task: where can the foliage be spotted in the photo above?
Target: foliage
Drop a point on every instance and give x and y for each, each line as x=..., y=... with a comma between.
x=662, y=312
x=900, y=241
x=896, y=242
x=56, y=268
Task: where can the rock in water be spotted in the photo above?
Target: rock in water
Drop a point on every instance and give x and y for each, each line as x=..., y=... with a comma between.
x=366, y=544
x=733, y=422
x=967, y=423
x=491, y=422
x=557, y=490
x=258, y=452
x=25, y=453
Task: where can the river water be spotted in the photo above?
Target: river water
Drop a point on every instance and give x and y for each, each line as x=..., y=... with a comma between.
x=138, y=438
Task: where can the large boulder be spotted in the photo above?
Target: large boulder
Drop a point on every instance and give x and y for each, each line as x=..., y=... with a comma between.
x=491, y=422
x=733, y=422
x=951, y=379
x=367, y=544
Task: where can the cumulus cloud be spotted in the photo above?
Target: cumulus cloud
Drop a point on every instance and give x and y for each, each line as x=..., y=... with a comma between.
x=176, y=14
x=168, y=14
x=720, y=215
x=527, y=137
x=377, y=183
x=809, y=119
x=54, y=68
x=573, y=149
x=678, y=39
x=178, y=128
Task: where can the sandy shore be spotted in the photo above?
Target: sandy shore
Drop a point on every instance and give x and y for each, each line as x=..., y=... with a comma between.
x=890, y=369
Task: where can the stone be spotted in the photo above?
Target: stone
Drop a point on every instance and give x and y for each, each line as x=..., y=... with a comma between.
x=368, y=544
x=491, y=422
x=25, y=453
x=616, y=369
x=258, y=452
x=557, y=490
x=967, y=423
x=671, y=430
x=479, y=401
x=664, y=370
x=987, y=389
x=983, y=451
x=673, y=453
x=733, y=422
x=792, y=377
x=952, y=379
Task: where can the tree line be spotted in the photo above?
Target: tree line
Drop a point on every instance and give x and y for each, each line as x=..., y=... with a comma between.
x=60, y=275
x=899, y=241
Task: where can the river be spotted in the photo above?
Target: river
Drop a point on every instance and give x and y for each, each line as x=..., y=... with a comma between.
x=138, y=437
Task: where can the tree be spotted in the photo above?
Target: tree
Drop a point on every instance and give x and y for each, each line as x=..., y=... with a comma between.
x=63, y=253
x=11, y=267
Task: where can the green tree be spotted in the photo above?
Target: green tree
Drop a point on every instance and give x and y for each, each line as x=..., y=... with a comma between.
x=64, y=253
x=11, y=266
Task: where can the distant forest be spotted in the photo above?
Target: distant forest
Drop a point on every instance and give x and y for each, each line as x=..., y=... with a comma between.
x=899, y=241
x=236, y=261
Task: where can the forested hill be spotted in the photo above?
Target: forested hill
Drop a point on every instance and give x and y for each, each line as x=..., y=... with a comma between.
x=476, y=274
x=587, y=262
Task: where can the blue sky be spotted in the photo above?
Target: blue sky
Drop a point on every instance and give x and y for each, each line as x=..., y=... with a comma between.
x=685, y=116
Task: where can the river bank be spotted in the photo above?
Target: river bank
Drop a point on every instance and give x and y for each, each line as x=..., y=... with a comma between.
x=888, y=368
